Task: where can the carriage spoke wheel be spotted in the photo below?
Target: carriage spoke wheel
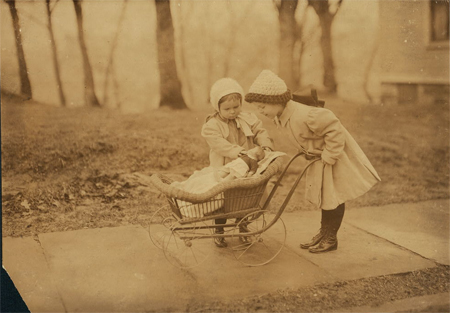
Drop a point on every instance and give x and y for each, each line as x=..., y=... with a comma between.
x=158, y=230
x=186, y=252
x=262, y=247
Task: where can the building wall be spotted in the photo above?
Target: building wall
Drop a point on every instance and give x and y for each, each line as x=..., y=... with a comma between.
x=412, y=68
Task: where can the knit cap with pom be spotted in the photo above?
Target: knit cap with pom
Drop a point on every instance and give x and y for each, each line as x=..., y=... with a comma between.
x=223, y=87
x=268, y=88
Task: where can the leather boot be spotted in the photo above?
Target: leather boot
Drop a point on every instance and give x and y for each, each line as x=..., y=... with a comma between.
x=220, y=241
x=242, y=230
x=329, y=242
x=316, y=239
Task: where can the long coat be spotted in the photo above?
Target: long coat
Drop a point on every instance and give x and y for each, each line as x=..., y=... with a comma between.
x=347, y=173
x=226, y=144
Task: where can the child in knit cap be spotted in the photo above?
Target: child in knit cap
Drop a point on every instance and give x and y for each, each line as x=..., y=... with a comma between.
x=230, y=132
x=344, y=172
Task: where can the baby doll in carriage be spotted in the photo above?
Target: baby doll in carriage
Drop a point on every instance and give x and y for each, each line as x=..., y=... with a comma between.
x=204, y=180
x=244, y=166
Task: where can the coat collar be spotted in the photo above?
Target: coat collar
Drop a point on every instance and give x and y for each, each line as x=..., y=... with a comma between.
x=286, y=114
x=241, y=122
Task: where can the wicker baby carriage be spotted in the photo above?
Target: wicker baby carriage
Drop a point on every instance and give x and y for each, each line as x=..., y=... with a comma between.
x=244, y=202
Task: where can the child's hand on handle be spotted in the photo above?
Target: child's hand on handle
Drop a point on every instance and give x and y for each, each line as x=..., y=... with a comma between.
x=327, y=160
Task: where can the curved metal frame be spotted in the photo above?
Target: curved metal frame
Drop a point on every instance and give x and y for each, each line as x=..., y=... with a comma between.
x=157, y=214
x=258, y=240
x=266, y=203
x=182, y=253
x=181, y=231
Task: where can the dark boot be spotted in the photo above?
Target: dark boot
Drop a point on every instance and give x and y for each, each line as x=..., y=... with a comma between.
x=243, y=229
x=220, y=241
x=220, y=221
x=329, y=242
x=316, y=239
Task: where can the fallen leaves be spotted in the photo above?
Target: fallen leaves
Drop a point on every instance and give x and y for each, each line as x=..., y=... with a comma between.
x=25, y=204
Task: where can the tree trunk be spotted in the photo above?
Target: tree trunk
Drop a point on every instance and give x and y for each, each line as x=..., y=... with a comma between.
x=369, y=65
x=62, y=97
x=110, y=72
x=209, y=54
x=89, y=88
x=170, y=85
x=326, y=20
x=288, y=69
x=235, y=25
x=25, y=86
x=183, y=69
x=329, y=80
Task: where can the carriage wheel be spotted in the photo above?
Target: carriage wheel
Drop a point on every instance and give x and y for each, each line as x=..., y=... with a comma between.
x=157, y=229
x=187, y=252
x=263, y=247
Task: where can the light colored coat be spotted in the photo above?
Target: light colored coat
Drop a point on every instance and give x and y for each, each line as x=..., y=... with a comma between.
x=223, y=146
x=348, y=173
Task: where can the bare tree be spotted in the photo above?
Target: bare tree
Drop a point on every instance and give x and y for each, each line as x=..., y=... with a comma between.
x=370, y=63
x=25, y=86
x=89, y=88
x=62, y=97
x=326, y=16
x=110, y=72
x=206, y=28
x=289, y=35
x=183, y=69
x=235, y=24
x=305, y=41
x=170, y=85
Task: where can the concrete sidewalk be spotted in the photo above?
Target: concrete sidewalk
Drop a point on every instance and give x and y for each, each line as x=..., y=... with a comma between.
x=119, y=269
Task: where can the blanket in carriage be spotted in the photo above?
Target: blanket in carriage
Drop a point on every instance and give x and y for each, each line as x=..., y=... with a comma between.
x=204, y=180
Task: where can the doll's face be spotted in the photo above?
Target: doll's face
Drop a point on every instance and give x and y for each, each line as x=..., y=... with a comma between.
x=230, y=109
x=257, y=153
x=269, y=110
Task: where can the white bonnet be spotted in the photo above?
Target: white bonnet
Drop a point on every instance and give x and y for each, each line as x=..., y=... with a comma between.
x=223, y=87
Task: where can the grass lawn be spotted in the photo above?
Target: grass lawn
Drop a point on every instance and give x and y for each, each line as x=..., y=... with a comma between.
x=65, y=169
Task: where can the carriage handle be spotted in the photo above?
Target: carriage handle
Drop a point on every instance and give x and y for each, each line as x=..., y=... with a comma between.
x=308, y=156
x=313, y=158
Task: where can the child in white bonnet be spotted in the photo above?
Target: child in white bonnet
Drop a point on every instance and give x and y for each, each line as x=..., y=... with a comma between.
x=230, y=132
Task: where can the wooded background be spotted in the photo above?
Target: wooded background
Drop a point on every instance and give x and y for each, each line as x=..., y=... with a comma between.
x=125, y=54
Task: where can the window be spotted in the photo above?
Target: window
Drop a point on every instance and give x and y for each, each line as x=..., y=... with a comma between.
x=439, y=25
